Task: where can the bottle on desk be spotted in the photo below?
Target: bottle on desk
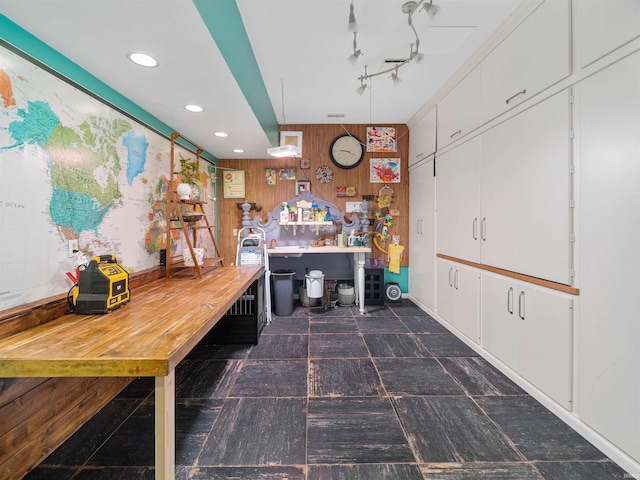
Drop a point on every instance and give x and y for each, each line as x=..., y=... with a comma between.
x=284, y=213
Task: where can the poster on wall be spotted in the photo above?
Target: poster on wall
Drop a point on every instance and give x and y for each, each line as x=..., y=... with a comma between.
x=73, y=168
x=233, y=185
x=381, y=139
x=384, y=170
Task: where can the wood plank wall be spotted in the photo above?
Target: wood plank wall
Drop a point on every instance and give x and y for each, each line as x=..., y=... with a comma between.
x=316, y=140
x=38, y=414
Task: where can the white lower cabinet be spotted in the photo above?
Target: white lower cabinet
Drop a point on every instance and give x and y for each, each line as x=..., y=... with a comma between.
x=529, y=329
x=459, y=297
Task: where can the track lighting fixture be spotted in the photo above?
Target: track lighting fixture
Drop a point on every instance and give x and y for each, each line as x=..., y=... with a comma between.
x=408, y=8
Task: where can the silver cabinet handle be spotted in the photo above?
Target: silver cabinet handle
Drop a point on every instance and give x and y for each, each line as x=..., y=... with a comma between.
x=510, y=301
x=420, y=155
x=475, y=228
x=483, y=229
x=455, y=279
x=457, y=133
x=421, y=232
x=521, y=92
x=521, y=305
x=450, y=281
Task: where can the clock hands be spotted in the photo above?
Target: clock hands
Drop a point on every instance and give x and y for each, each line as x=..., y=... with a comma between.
x=347, y=151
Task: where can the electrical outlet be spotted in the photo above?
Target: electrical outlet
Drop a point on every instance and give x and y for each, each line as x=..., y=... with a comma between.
x=234, y=232
x=73, y=245
x=353, y=207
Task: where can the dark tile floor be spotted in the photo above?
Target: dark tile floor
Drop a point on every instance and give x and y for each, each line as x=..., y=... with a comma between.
x=335, y=395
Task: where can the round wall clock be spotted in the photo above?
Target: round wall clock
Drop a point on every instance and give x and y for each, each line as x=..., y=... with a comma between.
x=346, y=151
x=324, y=174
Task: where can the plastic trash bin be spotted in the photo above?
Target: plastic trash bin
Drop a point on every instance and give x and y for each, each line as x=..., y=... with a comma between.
x=283, y=292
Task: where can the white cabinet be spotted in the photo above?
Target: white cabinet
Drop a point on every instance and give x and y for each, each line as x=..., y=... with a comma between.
x=459, y=297
x=458, y=201
x=421, y=235
x=529, y=329
x=609, y=235
x=422, y=142
x=526, y=192
x=533, y=57
x=603, y=27
x=459, y=112
x=504, y=198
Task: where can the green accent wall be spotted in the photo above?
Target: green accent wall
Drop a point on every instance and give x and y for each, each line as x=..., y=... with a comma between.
x=401, y=278
x=225, y=24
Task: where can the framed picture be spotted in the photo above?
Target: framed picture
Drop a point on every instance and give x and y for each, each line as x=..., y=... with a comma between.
x=270, y=176
x=287, y=174
x=233, y=185
x=302, y=186
x=384, y=170
x=292, y=138
x=381, y=139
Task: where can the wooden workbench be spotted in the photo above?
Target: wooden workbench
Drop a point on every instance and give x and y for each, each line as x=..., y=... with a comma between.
x=148, y=336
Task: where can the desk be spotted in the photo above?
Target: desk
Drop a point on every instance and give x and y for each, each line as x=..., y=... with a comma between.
x=358, y=263
x=147, y=337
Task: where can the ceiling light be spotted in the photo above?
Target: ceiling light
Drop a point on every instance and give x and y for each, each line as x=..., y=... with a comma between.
x=284, y=151
x=221, y=134
x=194, y=108
x=395, y=78
x=431, y=9
x=238, y=150
x=353, y=26
x=408, y=8
x=143, y=59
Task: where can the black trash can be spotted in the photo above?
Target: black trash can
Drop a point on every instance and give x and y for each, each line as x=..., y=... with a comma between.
x=283, y=292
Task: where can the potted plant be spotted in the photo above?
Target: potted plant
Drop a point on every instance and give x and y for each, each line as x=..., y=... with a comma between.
x=190, y=178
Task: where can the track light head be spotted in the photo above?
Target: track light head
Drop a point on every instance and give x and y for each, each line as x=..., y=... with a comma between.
x=431, y=10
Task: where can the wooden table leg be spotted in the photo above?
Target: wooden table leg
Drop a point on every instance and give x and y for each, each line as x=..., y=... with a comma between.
x=166, y=426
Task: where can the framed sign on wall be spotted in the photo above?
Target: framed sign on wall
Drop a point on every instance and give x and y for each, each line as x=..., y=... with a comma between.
x=233, y=184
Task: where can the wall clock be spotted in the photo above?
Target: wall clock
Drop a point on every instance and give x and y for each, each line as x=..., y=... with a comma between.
x=346, y=151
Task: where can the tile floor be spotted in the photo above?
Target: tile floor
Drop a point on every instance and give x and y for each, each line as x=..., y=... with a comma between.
x=335, y=395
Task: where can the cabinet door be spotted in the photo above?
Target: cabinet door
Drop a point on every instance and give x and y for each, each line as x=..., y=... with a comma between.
x=422, y=235
x=499, y=319
x=533, y=57
x=530, y=330
x=445, y=272
x=602, y=28
x=422, y=142
x=466, y=284
x=459, y=111
x=458, y=207
x=609, y=333
x=545, y=340
x=526, y=192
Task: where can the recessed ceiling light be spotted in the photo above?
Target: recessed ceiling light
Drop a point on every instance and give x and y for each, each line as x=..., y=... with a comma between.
x=238, y=150
x=194, y=108
x=143, y=59
x=221, y=134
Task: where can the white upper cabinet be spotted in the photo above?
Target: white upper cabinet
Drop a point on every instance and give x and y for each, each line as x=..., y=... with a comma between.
x=604, y=26
x=422, y=142
x=459, y=111
x=533, y=57
x=458, y=201
x=526, y=192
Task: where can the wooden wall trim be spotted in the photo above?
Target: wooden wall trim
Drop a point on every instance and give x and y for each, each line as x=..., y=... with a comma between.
x=518, y=276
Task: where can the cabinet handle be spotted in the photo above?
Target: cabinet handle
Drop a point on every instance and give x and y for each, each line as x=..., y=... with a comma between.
x=475, y=228
x=450, y=281
x=522, y=92
x=455, y=279
x=421, y=232
x=521, y=305
x=419, y=155
x=483, y=229
x=455, y=133
x=510, y=301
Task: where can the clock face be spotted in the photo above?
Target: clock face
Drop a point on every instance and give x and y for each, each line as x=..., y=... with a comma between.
x=346, y=151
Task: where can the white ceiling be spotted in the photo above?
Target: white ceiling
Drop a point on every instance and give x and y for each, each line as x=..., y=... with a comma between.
x=300, y=46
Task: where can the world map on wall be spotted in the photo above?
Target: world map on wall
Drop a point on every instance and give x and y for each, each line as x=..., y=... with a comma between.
x=71, y=168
